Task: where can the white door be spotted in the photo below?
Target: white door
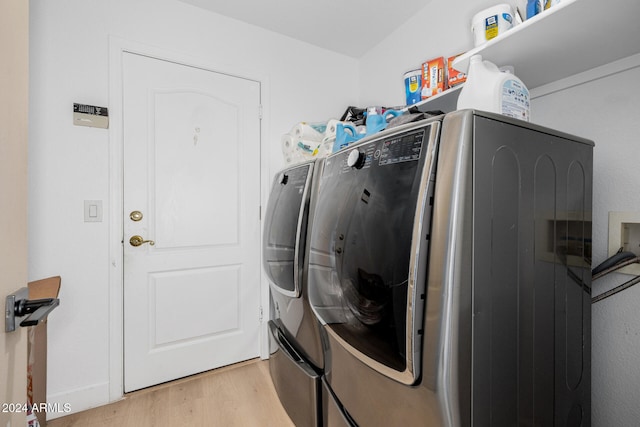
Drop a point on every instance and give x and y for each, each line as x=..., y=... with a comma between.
x=192, y=194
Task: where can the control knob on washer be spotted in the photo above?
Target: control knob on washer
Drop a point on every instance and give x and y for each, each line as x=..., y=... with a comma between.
x=355, y=159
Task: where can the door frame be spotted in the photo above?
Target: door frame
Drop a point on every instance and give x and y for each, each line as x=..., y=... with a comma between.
x=117, y=47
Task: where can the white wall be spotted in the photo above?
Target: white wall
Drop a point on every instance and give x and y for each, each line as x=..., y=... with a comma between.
x=69, y=63
x=68, y=164
x=599, y=107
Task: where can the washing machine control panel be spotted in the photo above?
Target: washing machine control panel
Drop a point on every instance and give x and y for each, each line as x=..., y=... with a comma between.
x=403, y=148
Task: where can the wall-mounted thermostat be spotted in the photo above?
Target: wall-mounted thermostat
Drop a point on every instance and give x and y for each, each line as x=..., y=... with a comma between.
x=90, y=115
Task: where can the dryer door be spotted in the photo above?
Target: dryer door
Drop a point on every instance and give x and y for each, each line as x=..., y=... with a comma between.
x=285, y=229
x=368, y=248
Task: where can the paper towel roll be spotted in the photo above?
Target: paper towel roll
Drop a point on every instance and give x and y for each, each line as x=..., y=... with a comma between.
x=320, y=127
x=295, y=150
x=292, y=159
x=331, y=128
x=326, y=147
x=288, y=144
x=303, y=131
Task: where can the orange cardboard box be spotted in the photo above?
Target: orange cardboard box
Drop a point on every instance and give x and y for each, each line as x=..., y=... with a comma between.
x=433, y=77
x=455, y=77
x=37, y=349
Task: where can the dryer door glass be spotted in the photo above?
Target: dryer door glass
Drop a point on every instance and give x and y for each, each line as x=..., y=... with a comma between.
x=285, y=228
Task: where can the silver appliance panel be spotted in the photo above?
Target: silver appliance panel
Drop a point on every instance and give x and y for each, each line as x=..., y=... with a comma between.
x=295, y=380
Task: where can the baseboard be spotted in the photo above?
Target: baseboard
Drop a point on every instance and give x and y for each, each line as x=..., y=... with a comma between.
x=78, y=400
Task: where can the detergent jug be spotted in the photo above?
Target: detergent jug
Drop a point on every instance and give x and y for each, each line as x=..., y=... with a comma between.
x=377, y=122
x=346, y=133
x=490, y=89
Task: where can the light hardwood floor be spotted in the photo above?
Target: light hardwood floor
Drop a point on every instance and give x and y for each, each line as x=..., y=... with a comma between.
x=237, y=395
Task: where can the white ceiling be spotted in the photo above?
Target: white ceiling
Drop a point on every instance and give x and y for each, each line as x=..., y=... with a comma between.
x=350, y=27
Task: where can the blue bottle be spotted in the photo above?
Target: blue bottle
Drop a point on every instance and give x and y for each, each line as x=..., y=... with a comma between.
x=533, y=8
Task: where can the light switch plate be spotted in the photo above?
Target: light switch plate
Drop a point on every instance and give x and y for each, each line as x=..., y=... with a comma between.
x=93, y=211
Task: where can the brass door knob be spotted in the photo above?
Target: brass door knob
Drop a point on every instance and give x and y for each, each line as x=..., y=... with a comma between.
x=139, y=240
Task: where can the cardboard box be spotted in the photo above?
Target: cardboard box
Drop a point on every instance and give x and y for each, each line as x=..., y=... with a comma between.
x=433, y=81
x=37, y=350
x=454, y=76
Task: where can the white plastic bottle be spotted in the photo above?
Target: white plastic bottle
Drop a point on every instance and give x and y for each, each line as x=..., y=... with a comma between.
x=489, y=89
